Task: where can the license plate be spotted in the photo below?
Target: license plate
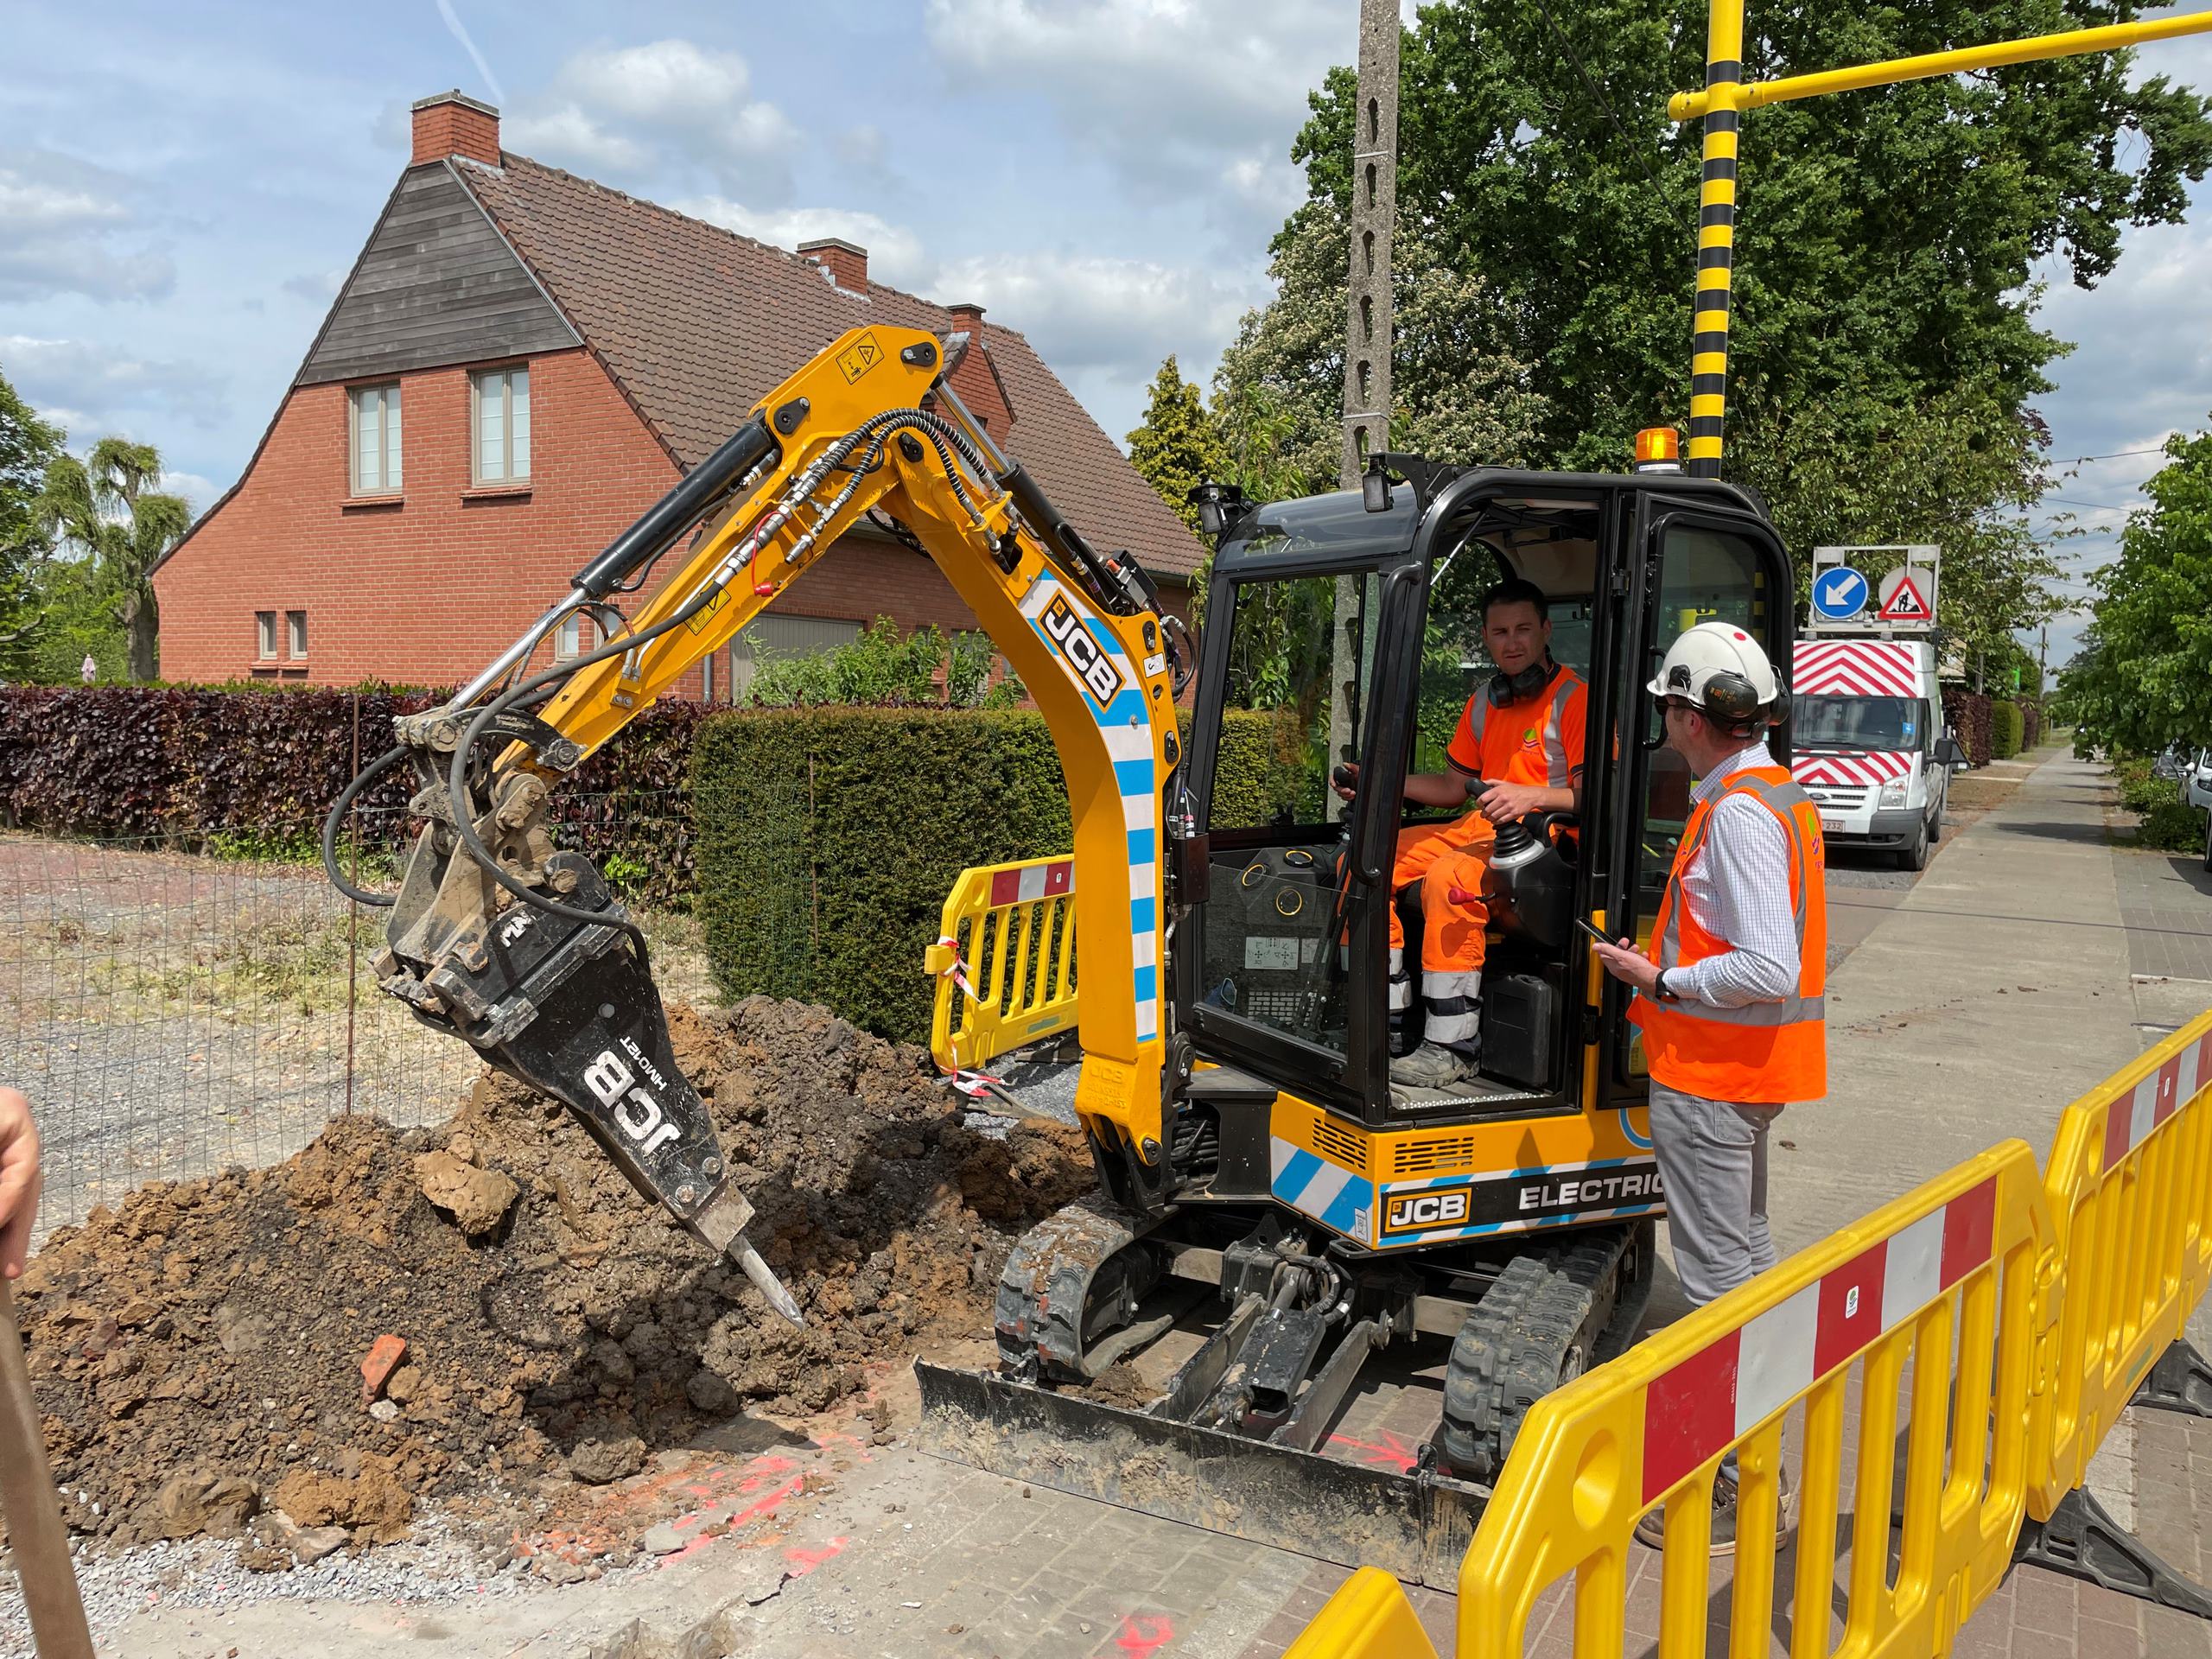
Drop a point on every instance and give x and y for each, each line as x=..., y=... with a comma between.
x=1832, y=824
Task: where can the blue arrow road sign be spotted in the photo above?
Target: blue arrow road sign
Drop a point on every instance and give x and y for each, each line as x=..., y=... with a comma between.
x=1838, y=593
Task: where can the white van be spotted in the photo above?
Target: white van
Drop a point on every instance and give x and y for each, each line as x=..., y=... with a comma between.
x=1869, y=744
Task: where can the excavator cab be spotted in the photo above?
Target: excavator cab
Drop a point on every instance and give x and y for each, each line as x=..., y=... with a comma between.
x=1501, y=1230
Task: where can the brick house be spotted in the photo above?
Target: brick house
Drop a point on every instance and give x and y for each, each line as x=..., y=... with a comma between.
x=521, y=362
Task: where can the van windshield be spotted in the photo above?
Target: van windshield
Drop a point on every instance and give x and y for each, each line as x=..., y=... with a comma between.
x=1858, y=724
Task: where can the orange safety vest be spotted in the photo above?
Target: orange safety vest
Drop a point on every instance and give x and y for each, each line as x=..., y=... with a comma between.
x=1763, y=1053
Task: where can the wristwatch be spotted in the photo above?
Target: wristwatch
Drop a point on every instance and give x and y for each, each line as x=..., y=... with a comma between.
x=1659, y=992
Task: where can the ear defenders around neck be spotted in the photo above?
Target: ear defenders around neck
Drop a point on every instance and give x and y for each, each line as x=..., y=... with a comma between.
x=1511, y=688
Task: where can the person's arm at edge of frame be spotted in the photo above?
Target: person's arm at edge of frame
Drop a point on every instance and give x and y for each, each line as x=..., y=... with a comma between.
x=19, y=1180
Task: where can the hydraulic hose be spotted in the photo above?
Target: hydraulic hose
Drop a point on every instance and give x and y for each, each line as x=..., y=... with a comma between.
x=351, y=792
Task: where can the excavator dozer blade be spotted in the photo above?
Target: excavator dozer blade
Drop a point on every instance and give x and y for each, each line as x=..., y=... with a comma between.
x=1416, y=1526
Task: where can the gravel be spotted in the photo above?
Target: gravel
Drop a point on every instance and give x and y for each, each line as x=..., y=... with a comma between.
x=435, y=1566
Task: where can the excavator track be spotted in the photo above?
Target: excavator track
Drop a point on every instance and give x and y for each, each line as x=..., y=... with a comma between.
x=1550, y=1317
x=1071, y=1279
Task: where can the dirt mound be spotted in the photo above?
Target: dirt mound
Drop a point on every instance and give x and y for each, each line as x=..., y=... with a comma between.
x=198, y=1352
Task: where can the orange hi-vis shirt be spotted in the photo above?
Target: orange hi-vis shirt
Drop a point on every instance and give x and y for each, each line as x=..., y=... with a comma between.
x=1536, y=741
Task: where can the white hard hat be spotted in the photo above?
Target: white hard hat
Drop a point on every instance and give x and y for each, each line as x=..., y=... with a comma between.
x=1724, y=671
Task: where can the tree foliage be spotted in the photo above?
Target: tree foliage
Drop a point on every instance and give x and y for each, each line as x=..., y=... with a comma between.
x=1458, y=393
x=27, y=445
x=1178, y=446
x=1884, y=352
x=104, y=510
x=2143, y=677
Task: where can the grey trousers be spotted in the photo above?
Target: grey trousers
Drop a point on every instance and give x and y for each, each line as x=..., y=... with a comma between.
x=1712, y=1160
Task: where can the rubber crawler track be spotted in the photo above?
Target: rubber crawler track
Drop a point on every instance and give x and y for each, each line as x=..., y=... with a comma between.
x=1509, y=1353
x=1047, y=1285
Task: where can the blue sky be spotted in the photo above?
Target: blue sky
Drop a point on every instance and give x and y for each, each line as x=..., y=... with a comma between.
x=182, y=187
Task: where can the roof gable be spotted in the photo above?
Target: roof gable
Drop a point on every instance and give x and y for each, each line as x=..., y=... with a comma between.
x=435, y=285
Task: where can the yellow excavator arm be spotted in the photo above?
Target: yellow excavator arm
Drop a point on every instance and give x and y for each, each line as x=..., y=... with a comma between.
x=521, y=950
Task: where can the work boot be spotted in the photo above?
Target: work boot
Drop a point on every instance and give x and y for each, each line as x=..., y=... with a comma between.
x=1431, y=1066
x=1651, y=1530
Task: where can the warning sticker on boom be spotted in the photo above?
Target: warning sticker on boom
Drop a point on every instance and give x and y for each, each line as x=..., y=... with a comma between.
x=857, y=358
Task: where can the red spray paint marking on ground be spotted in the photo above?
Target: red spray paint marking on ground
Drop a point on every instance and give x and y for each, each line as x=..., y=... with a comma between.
x=765, y=1506
x=1392, y=1451
x=800, y=1561
x=1145, y=1634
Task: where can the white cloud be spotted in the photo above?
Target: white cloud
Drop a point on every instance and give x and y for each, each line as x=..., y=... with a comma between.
x=199, y=492
x=61, y=220
x=83, y=385
x=669, y=104
x=895, y=254
x=1203, y=98
x=1083, y=312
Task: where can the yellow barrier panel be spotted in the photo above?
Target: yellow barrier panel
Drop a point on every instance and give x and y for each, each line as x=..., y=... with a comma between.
x=1368, y=1617
x=1004, y=962
x=1943, y=1280
x=2130, y=1190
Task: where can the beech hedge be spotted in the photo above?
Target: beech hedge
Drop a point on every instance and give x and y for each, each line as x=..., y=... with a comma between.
x=829, y=838
x=257, y=767
x=1968, y=713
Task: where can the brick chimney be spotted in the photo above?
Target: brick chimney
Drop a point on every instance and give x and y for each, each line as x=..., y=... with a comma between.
x=846, y=262
x=453, y=124
x=975, y=379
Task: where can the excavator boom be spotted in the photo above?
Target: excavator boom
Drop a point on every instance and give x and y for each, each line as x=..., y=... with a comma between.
x=522, y=950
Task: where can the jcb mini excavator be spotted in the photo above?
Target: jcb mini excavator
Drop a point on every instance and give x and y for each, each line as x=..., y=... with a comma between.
x=1256, y=1173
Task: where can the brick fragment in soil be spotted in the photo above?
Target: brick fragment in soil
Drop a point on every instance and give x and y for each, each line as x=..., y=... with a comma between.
x=216, y=1328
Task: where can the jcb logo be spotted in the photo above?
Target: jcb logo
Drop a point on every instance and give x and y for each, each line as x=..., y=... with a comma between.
x=636, y=1112
x=1092, y=665
x=1413, y=1212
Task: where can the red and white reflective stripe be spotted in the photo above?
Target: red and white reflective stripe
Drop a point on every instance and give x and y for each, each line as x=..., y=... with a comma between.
x=974, y=1085
x=1855, y=668
x=2131, y=1117
x=1863, y=767
x=1029, y=881
x=1699, y=1409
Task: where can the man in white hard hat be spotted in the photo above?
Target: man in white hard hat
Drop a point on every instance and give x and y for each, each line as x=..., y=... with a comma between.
x=1729, y=992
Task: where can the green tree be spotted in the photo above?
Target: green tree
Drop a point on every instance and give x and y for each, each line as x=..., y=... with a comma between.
x=1176, y=446
x=27, y=444
x=1458, y=391
x=104, y=510
x=1885, y=352
x=2143, y=677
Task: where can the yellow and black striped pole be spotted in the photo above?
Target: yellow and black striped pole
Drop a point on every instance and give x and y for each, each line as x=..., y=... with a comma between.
x=1716, y=236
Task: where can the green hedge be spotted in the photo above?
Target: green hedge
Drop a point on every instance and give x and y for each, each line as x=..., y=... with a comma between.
x=2006, y=726
x=828, y=839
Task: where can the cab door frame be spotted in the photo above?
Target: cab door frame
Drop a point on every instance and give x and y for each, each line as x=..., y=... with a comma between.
x=1654, y=513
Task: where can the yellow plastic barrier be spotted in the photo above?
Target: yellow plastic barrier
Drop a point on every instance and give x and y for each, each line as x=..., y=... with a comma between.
x=1004, y=962
x=1944, y=1281
x=2130, y=1188
x=1368, y=1617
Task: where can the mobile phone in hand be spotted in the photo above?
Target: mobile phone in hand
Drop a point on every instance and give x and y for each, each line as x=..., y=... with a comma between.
x=1591, y=931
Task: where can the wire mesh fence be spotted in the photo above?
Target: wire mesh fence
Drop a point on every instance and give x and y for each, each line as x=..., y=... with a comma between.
x=175, y=1009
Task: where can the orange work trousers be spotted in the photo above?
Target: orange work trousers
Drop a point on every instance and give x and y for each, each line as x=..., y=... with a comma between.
x=1444, y=857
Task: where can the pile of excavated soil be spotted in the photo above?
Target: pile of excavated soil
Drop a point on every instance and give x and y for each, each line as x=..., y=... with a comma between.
x=198, y=1351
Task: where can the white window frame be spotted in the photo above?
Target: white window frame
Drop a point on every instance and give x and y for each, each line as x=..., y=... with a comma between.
x=577, y=634
x=390, y=438
x=295, y=636
x=503, y=381
x=266, y=636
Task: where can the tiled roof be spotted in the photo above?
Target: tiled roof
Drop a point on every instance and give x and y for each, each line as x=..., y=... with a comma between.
x=696, y=323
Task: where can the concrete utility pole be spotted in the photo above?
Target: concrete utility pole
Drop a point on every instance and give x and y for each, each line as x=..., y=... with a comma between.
x=1367, y=317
